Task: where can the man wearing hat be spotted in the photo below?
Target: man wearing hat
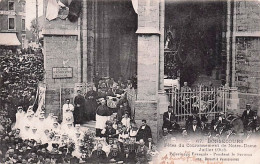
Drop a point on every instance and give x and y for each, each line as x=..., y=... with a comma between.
x=103, y=114
x=247, y=115
x=79, y=103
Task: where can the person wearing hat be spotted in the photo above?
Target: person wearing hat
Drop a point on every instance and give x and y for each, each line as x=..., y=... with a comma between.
x=91, y=104
x=40, y=124
x=79, y=108
x=25, y=132
x=247, y=115
x=67, y=109
x=103, y=114
x=45, y=138
x=35, y=135
x=56, y=128
x=70, y=130
x=19, y=117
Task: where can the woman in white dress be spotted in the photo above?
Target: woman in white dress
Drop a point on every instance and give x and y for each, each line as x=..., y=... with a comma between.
x=20, y=115
x=126, y=121
x=68, y=109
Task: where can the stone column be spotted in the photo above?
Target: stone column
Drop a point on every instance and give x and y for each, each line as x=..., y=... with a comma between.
x=163, y=101
x=84, y=42
x=148, y=64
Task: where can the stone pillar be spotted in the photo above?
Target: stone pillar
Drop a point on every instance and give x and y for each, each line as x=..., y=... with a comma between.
x=233, y=101
x=163, y=101
x=91, y=41
x=84, y=41
x=61, y=51
x=148, y=64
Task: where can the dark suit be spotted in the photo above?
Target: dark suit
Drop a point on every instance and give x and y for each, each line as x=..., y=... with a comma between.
x=98, y=156
x=141, y=154
x=129, y=158
x=109, y=132
x=116, y=155
x=191, y=131
x=168, y=121
x=144, y=134
x=246, y=116
x=79, y=109
x=204, y=129
x=91, y=105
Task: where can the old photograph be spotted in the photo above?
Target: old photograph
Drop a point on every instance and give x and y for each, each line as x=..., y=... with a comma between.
x=130, y=81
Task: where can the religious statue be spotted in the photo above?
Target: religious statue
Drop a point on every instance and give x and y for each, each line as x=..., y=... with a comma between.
x=169, y=39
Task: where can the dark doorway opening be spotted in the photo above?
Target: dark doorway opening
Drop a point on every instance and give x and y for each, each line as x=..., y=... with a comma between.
x=197, y=39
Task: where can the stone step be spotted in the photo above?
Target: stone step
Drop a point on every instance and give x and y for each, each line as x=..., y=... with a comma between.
x=90, y=125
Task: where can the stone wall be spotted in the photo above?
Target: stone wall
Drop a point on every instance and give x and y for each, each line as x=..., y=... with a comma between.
x=61, y=49
x=247, y=30
x=57, y=50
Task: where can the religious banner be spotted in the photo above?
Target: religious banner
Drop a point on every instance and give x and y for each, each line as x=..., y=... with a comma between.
x=41, y=99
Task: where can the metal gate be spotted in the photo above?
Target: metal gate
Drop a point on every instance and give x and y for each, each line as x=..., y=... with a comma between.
x=201, y=100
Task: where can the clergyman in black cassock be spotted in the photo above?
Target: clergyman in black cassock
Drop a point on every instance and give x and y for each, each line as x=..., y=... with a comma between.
x=91, y=104
x=79, y=108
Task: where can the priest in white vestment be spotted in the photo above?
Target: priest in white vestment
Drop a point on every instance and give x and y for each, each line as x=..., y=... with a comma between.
x=68, y=109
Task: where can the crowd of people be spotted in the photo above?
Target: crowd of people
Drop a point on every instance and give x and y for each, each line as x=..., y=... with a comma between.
x=29, y=136
x=39, y=139
x=20, y=74
x=223, y=125
x=113, y=92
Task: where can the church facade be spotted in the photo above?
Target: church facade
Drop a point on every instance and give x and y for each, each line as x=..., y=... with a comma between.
x=219, y=40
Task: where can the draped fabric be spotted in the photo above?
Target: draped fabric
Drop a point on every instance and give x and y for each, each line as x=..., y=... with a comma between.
x=41, y=99
x=135, y=5
x=128, y=55
x=52, y=10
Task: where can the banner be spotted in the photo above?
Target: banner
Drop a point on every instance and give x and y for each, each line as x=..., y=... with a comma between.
x=41, y=99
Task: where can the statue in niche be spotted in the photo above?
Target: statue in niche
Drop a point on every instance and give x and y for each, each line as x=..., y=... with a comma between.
x=169, y=39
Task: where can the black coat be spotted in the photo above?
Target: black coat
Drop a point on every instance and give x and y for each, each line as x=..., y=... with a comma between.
x=110, y=134
x=79, y=109
x=98, y=156
x=167, y=122
x=117, y=156
x=130, y=159
x=191, y=132
x=246, y=116
x=144, y=134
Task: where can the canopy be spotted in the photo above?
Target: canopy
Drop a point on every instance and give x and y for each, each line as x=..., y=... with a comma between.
x=9, y=39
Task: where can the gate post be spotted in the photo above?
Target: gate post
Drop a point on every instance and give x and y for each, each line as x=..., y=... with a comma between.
x=233, y=100
x=200, y=101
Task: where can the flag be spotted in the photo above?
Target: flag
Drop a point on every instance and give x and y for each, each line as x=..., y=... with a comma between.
x=135, y=5
x=52, y=10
